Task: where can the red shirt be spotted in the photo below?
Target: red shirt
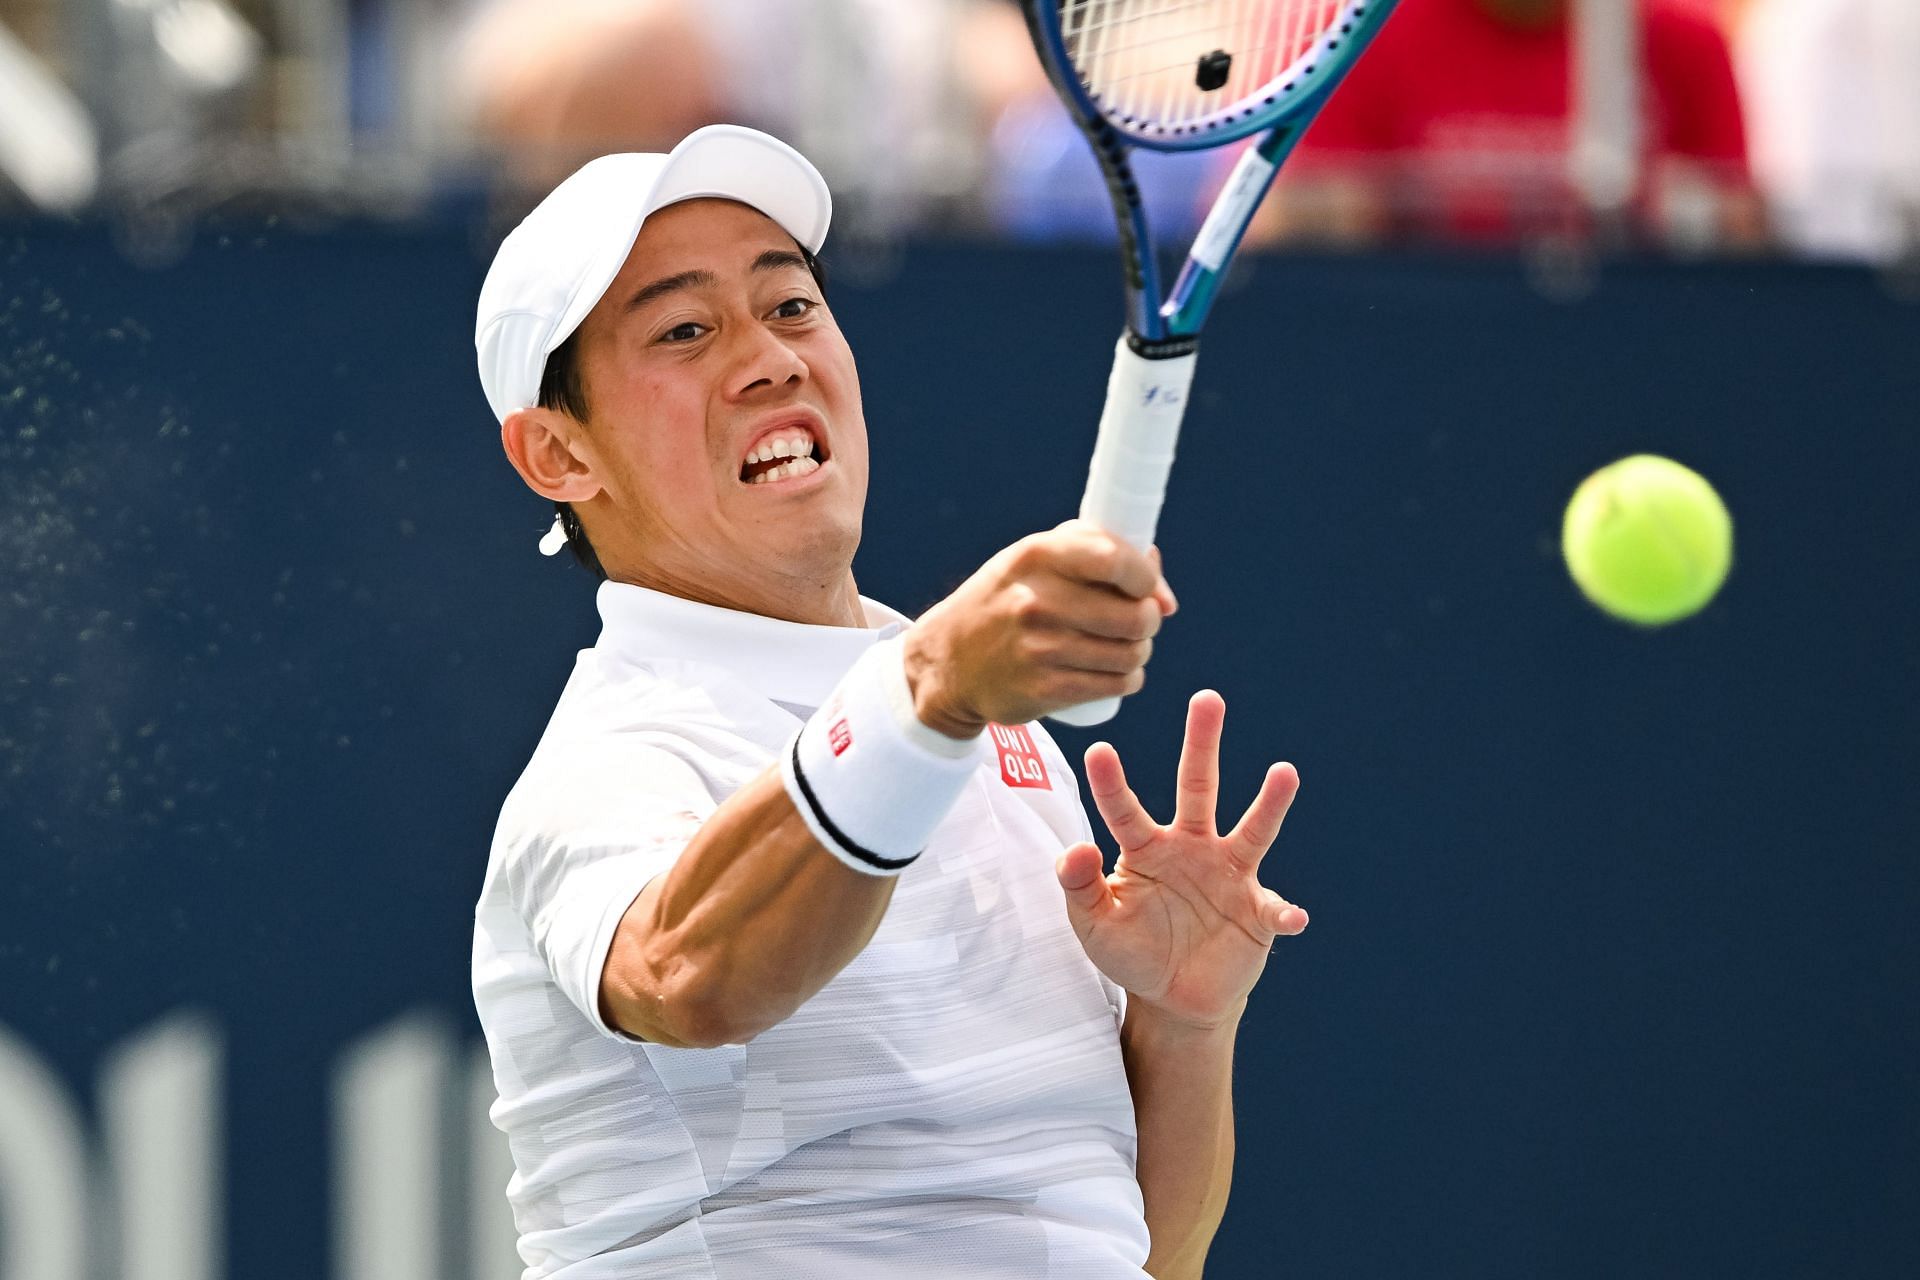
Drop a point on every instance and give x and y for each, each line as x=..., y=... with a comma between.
x=1469, y=116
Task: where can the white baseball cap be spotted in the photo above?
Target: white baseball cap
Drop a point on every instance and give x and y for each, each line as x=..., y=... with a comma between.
x=558, y=262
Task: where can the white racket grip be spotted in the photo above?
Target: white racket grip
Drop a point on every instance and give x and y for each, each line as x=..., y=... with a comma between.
x=1133, y=453
x=1132, y=457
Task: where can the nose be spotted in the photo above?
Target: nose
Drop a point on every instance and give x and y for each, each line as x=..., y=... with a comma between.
x=765, y=362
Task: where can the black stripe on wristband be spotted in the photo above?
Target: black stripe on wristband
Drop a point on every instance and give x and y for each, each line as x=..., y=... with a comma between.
x=867, y=856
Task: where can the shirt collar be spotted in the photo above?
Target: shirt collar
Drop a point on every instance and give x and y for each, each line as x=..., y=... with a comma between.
x=792, y=662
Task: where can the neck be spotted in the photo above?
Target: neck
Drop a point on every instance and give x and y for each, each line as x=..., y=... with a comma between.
x=834, y=602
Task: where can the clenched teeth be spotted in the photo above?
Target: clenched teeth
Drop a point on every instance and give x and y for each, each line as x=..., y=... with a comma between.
x=797, y=445
x=801, y=466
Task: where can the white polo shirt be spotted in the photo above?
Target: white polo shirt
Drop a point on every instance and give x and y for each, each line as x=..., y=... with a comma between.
x=951, y=1104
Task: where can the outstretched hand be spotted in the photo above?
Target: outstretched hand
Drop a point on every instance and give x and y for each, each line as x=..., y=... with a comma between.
x=1183, y=923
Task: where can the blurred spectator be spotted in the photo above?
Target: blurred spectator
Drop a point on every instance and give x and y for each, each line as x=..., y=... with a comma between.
x=892, y=100
x=1458, y=123
x=560, y=79
x=1045, y=184
x=1833, y=94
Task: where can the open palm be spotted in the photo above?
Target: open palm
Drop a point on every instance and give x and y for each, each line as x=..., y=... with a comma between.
x=1183, y=922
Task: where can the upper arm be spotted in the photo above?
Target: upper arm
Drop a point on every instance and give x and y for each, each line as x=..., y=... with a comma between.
x=607, y=829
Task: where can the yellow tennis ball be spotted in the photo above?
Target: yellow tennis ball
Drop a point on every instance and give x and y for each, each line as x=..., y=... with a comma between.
x=1647, y=540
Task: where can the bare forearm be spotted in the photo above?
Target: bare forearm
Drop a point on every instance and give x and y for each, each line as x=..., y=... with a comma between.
x=1182, y=1083
x=755, y=916
x=748, y=924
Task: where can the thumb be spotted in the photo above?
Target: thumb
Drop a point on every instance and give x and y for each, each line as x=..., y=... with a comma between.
x=1081, y=874
x=1162, y=593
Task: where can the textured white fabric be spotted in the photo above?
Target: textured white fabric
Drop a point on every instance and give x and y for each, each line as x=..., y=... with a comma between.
x=952, y=1104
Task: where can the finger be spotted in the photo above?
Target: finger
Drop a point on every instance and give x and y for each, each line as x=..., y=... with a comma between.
x=1082, y=874
x=1282, y=917
x=1072, y=652
x=1197, y=783
x=1100, y=611
x=1087, y=553
x=1062, y=687
x=1132, y=826
x=1259, y=826
x=1164, y=597
x=1162, y=593
x=1052, y=600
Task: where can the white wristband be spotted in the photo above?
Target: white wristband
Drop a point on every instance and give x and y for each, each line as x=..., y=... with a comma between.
x=869, y=779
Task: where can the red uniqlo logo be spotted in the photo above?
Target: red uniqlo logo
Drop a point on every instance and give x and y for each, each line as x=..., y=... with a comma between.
x=1020, y=763
x=839, y=737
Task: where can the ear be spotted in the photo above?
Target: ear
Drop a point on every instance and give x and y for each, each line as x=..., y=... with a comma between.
x=541, y=445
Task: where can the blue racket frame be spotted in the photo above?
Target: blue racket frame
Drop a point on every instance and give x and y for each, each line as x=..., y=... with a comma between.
x=1284, y=111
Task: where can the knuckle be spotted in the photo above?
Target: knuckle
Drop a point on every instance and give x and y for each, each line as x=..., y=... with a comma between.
x=1019, y=556
x=1025, y=604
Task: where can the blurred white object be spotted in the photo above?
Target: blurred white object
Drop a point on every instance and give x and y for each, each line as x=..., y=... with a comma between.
x=1832, y=90
x=44, y=1184
x=207, y=44
x=848, y=80
x=48, y=145
x=1606, y=149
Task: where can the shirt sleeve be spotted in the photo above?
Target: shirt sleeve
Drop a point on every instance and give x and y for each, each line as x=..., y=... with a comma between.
x=600, y=832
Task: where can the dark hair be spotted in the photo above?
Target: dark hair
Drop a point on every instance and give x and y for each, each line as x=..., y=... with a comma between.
x=564, y=389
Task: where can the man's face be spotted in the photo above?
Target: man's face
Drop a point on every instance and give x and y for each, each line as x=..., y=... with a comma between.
x=712, y=347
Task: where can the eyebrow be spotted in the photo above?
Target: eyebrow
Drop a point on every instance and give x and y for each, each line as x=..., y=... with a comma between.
x=771, y=260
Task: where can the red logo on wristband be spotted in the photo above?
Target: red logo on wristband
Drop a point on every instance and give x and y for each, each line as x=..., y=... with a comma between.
x=1020, y=762
x=839, y=737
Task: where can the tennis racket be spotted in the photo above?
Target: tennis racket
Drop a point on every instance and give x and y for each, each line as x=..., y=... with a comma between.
x=1181, y=75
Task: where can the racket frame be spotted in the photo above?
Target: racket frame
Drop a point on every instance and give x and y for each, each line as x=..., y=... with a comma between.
x=1282, y=109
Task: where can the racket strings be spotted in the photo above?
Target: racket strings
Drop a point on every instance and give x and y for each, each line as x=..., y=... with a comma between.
x=1141, y=59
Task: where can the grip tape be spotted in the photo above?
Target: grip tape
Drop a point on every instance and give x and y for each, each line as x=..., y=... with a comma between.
x=1132, y=458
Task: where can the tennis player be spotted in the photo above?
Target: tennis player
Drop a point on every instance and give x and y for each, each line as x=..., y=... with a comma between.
x=794, y=956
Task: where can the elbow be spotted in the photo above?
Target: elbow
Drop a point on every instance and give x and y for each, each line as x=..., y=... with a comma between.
x=676, y=1006
x=709, y=1025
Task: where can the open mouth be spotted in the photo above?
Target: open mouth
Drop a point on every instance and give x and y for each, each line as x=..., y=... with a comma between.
x=784, y=454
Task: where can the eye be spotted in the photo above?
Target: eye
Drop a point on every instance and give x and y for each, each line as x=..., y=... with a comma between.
x=795, y=307
x=685, y=332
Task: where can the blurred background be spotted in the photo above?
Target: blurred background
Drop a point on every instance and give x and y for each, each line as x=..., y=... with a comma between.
x=1697, y=126
x=1612, y=968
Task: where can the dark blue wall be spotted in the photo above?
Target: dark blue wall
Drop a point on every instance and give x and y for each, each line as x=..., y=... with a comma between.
x=1613, y=957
